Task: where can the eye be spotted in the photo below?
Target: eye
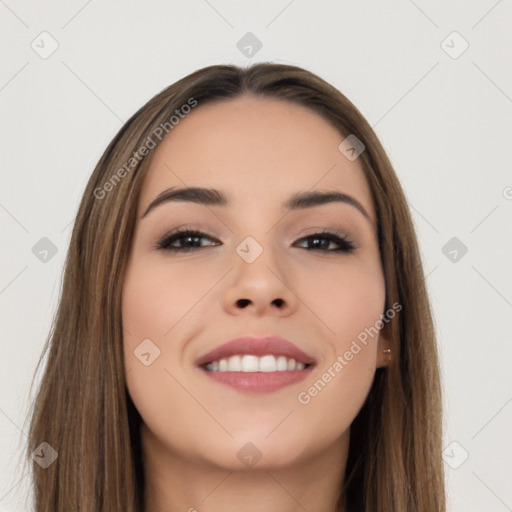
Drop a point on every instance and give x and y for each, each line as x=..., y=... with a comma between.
x=188, y=236
x=321, y=241
x=187, y=240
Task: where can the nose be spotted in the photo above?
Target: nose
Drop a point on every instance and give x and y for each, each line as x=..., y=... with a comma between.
x=260, y=288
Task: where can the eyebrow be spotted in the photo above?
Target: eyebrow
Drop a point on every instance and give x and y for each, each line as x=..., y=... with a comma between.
x=213, y=197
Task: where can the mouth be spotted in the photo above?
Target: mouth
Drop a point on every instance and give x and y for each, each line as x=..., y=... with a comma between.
x=253, y=365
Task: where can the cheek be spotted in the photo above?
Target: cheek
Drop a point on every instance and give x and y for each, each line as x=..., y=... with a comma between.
x=156, y=299
x=161, y=312
x=347, y=300
x=157, y=306
x=349, y=305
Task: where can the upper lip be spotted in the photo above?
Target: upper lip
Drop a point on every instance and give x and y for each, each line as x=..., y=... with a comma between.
x=273, y=345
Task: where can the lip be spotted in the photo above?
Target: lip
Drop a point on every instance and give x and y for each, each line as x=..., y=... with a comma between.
x=257, y=382
x=251, y=345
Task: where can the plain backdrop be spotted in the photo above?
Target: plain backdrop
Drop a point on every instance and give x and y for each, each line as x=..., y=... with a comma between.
x=433, y=78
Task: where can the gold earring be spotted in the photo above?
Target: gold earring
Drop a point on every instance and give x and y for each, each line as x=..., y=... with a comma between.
x=387, y=351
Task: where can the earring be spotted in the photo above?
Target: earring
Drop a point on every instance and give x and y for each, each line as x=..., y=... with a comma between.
x=387, y=351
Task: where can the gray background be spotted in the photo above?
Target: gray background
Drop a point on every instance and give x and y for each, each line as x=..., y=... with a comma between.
x=442, y=115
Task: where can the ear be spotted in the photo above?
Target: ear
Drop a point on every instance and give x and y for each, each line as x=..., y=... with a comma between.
x=384, y=343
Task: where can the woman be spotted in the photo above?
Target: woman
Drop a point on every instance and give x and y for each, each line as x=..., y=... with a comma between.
x=243, y=321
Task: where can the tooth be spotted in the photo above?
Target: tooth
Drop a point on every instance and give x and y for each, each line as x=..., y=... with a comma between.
x=267, y=364
x=235, y=364
x=250, y=363
x=281, y=364
x=291, y=364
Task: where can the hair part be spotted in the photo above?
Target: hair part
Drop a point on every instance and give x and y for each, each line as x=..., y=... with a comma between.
x=82, y=408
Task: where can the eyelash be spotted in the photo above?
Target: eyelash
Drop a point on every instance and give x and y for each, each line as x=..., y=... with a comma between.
x=345, y=245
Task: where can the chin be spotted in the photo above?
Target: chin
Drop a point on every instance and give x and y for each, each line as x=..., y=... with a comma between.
x=257, y=450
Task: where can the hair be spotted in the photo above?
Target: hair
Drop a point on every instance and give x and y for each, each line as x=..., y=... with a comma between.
x=82, y=407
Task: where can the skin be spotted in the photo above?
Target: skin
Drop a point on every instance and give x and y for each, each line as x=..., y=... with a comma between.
x=259, y=152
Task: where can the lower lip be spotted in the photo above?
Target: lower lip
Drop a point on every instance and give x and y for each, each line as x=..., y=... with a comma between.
x=259, y=382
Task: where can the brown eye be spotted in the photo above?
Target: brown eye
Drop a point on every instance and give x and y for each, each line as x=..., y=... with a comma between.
x=321, y=242
x=188, y=240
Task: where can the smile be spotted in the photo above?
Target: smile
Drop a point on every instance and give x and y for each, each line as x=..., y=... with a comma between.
x=256, y=365
x=251, y=363
x=248, y=373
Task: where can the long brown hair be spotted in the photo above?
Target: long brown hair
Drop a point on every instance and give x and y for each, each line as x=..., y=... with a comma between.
x=82, y=408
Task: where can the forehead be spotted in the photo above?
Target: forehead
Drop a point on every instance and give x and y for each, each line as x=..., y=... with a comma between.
x=256, y=150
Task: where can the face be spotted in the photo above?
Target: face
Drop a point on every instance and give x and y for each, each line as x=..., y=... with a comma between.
x=310, y=274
